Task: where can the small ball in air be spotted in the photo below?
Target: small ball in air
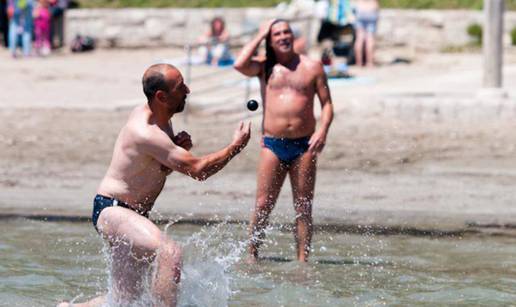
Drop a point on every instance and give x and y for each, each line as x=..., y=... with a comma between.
x=252, y=105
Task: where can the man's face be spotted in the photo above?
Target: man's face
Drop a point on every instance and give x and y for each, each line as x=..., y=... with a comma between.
x=282, y=38
x=178, y=91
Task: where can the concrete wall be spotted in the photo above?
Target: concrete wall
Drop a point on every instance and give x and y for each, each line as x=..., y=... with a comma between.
x=430, y=30
x=155, y=27
x=433, y=29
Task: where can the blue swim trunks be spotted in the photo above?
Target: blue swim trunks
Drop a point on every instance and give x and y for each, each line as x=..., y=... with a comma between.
x=287, y=150
x=367, y=21
x=102, y=202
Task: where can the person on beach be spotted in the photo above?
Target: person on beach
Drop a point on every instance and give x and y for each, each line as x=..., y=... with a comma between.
x=291, y=142
x=57, y=13
x=146, y=152
x=20, y=26
x=215, y=43
x=4, y=23
x=42, y=28
x=367, y=12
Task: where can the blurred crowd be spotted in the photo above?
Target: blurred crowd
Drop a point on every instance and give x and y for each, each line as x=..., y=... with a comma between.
x=32, y=27
x=348, y=31
x=347, y=36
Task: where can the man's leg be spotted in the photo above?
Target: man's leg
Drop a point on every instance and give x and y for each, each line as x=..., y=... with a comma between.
x=135, y=242
x=271, y=175
x=302, y=178
x=96, y=302
x=168, y=273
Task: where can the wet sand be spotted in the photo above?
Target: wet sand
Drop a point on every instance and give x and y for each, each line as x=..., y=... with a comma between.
x=59, y=118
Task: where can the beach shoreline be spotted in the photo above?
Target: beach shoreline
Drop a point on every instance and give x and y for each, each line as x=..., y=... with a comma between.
x=402, y=174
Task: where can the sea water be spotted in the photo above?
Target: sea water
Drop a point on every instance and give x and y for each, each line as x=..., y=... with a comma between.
x=43, y=263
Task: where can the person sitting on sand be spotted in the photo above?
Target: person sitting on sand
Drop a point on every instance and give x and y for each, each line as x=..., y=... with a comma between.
x=215, y=43
x=146, y=152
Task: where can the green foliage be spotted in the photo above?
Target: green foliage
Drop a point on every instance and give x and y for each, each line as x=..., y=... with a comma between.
x=441, y=4
x=513, y=36
x=412, y=4
x=475, y=32
x=175, y=3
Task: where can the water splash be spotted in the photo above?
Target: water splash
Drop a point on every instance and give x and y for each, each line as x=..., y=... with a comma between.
x=145, y=298
x=209, y=254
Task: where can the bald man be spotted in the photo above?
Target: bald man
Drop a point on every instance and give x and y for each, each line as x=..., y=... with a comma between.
x=146, y=151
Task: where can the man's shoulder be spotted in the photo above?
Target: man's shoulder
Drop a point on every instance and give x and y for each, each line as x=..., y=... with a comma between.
x=310, y=62
x=312, y=65
x=137, y=126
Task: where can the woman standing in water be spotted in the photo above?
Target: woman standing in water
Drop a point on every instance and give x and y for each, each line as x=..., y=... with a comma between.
x=367, y=12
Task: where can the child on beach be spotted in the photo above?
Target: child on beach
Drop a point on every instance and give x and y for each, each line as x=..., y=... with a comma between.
x=42, y=28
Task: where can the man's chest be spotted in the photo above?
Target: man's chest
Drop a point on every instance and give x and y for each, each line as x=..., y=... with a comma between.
x=300, y=79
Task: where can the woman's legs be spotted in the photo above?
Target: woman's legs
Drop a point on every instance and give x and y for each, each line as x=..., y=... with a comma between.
x=359, y=46
x=370, y=44
x=13, y=36
x=27, y=42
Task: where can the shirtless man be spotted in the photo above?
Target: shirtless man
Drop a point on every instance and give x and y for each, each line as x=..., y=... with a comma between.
x=146, y=151
x=291, y=142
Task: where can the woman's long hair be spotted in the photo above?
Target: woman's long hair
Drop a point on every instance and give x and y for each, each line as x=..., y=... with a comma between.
x=270, y=56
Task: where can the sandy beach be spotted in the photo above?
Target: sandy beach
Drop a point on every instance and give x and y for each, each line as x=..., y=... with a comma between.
x=59, y=118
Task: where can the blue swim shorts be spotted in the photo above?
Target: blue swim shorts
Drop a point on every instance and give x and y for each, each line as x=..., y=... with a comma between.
x=367, y=21
x=287, y=150
x=102, y=202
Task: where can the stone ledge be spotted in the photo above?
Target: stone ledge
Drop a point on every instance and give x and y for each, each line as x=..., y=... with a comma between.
x=429, y=30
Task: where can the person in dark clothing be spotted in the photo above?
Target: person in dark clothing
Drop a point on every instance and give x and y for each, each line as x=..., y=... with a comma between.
x=4, y=22
x=57, y=12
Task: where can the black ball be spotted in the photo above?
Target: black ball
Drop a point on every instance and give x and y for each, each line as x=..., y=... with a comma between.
x=252, y=105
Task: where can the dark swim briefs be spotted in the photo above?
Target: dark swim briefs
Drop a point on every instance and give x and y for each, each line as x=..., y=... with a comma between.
x=102, y=202
x=287, y=150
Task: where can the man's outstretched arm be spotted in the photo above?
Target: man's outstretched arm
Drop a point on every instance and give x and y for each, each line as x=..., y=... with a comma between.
x=161, y=148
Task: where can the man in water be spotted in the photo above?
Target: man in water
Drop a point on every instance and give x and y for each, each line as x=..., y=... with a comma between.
x=146, y=151
x=291, y=142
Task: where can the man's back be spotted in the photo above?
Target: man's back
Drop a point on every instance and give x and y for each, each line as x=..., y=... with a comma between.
x=133, y=175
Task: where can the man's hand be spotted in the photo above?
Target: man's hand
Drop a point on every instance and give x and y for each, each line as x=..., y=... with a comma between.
x=241, y=136
x=183, y=139
x=265, y=28
x=317, y=142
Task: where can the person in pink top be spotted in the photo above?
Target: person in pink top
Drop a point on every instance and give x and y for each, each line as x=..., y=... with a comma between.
x=42, y=28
